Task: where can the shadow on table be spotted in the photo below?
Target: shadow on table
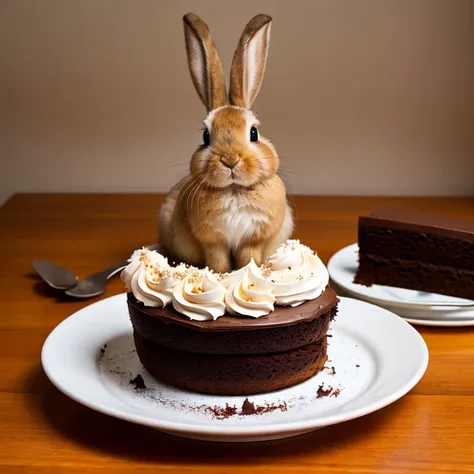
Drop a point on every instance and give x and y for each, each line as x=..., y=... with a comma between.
x=100, y=433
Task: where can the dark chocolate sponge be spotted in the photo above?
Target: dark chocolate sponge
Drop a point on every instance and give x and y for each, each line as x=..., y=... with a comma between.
x=231, y=374
x=290, y=328
x=416, y=250
x=234, y=355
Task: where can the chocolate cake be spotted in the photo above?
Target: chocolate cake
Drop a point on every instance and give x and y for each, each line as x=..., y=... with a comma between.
x=234, y=356
x=416, y=250
x=254, y=330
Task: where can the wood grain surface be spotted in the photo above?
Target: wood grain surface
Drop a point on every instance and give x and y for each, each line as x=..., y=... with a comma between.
x=430, y=430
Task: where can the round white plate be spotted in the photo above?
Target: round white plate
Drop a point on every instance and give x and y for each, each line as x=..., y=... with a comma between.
x=370, y=372
x=450, y=323
x=417, y=316
x=342, y=268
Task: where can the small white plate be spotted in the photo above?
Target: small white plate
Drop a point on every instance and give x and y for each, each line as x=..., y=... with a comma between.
x=417, y=316
x=342, y=268
x=371, y=372
x=449, y=323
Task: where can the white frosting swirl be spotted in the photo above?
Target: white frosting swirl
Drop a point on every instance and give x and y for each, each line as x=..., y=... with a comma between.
x=291, y=276
x=199, y=296
x=251, y=295
x=150, y=278
x=229, y=279
x=296, y=274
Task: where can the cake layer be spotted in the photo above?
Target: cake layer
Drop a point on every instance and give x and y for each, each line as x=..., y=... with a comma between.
x=231, y=374
x=420, y=222
x=420, y=276
x=282, y=316
x=167, y=332
x=409, y=245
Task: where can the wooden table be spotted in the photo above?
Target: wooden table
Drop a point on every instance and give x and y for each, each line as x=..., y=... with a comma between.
x=429, y=430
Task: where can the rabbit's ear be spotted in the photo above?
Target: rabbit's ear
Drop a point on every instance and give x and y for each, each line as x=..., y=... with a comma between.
x=204, y=63
x=249, y=62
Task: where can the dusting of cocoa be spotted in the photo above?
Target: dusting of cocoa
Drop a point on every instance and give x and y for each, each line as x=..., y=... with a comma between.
x=138, y=382
x=223, y=413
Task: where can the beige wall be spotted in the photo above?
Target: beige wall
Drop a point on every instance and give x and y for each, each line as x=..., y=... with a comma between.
x=360, y=97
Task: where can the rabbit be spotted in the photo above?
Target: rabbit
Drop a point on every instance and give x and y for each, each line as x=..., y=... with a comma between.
x=233, y=206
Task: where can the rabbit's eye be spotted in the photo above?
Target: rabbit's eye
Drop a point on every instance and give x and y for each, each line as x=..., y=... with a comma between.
x=254, y=134
x=206, y=137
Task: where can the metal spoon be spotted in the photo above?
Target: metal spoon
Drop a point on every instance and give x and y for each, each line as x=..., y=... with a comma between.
x=62, y=279
x=95, y=284
x=55, y=276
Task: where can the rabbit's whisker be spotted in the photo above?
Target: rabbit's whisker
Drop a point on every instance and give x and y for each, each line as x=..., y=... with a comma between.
x=185, y=191
x=195, y=190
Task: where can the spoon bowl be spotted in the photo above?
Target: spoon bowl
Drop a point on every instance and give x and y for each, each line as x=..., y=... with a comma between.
x=55, y=276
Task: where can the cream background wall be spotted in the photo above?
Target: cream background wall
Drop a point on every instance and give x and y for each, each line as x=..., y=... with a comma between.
x=360, y=97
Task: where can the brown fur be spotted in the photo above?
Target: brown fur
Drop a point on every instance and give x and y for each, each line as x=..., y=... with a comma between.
x=233, y=182
x=211, y=86
x=258, y=28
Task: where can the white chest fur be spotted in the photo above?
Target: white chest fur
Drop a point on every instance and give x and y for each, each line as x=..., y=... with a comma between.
x=238, y=219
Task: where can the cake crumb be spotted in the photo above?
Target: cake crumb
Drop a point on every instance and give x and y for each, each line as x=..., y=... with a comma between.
x=248, y=408
x=138, y=382
x=333, y=371
x=357, y=365
x=327, y=392
x=323, y=392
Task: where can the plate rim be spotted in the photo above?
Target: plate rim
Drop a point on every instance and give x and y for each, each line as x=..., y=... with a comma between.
x=225, y=431
x=455, y=323
x=374, y=299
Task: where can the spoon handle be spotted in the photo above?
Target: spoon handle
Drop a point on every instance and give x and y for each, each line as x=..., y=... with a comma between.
x=108, y=272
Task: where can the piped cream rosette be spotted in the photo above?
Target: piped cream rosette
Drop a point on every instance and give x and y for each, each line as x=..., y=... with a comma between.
x=292, y=275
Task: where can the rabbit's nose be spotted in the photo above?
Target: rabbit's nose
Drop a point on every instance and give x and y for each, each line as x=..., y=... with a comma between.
x=230, y=160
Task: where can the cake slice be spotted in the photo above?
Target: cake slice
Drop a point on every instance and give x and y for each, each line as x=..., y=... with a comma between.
x=416, y=250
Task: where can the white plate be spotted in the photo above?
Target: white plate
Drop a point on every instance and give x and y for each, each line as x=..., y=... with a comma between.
x=417, y=317
x=450, y=323
x=371, y=372
x=342, y=268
